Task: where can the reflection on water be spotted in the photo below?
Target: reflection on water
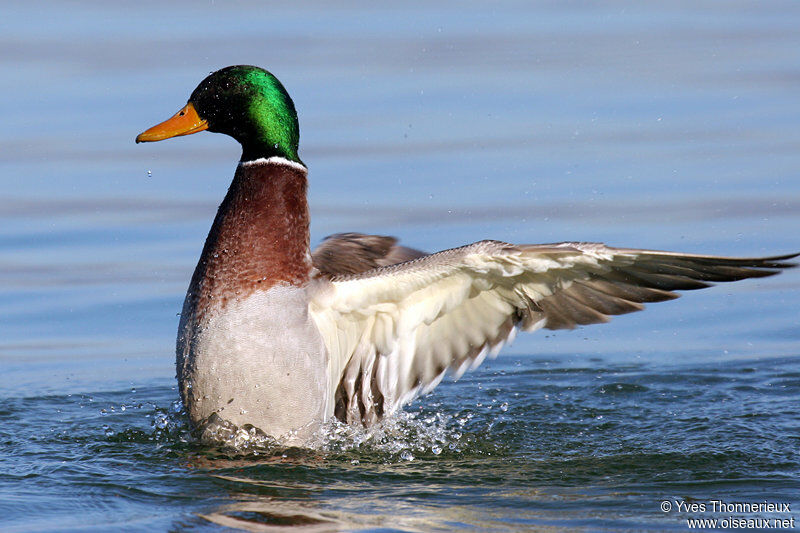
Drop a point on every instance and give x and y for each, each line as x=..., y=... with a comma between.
x=258, y=513
x=264, y=514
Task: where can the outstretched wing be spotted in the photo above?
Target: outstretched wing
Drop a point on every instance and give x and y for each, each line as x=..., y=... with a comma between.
x=393, y=332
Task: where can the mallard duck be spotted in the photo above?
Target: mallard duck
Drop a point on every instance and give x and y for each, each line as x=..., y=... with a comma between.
x=275, y=337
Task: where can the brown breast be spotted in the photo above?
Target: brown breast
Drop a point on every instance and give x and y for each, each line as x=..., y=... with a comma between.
x=260, y=236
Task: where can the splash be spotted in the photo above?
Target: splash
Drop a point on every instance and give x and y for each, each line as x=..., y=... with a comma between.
x=403, y=437
x=400, y=436
x=428, y=432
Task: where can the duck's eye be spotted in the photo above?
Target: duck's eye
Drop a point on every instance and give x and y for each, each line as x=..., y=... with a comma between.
x=182, y=113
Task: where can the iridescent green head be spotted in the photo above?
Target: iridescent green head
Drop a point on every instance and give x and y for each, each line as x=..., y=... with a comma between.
x=248, y=103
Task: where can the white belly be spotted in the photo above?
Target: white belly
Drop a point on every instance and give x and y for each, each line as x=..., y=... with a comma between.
x=258, y=361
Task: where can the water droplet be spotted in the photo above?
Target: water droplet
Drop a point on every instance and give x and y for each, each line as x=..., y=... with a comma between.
x=161, y=421
x=504, y=406
x=406, y=456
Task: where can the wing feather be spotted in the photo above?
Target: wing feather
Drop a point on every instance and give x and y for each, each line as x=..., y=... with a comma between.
x=393, y=332
x=350, y=253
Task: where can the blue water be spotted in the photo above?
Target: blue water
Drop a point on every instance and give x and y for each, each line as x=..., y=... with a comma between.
x=670, y=126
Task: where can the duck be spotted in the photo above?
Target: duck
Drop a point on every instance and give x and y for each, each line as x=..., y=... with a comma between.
x=279, y=339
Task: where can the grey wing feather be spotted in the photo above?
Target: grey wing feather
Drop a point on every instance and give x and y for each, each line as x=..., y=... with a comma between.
x=353, y=253
x=651, y=277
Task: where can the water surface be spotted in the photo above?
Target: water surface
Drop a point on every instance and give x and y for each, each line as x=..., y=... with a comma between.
x=661, y=126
